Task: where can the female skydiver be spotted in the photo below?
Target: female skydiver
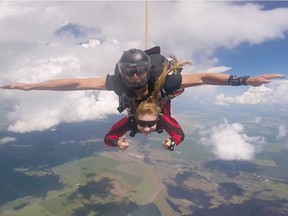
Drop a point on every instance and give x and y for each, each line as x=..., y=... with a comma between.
x=146, y=120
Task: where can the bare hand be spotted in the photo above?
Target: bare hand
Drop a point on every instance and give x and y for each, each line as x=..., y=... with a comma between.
x=166, y=143
x=19, y=86
x=262, y=79
x=122, y=143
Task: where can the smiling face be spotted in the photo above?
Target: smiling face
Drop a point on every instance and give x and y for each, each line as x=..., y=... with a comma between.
x=146, y=123
x=147, y=117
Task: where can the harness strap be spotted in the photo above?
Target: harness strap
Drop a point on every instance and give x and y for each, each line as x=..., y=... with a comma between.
x=133, y=124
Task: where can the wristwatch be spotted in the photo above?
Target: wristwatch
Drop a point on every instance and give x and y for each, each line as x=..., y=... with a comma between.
x=172, y=145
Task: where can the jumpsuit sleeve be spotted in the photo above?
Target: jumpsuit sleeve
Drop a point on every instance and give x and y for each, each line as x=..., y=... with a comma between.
x=116, y=131
x=172, y=127
x=172, y=83
x=110, y=82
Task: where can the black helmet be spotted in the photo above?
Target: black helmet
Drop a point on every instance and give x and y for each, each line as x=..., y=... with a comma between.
x=134, y=61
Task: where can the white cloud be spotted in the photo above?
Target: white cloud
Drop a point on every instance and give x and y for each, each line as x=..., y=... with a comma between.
x=258, y=119
x=43, y=69
x=32, y=52
x=92, y=43
x=219, y=69
x=13, y=10
x=229, y=142
x=6, y=140
x=43, y=110
x=274, y=93
x=282, y=131
x=226, y=25
x=280, y=90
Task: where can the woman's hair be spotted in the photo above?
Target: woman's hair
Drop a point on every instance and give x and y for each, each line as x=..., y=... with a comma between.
x=152, y=105
x=147, y=107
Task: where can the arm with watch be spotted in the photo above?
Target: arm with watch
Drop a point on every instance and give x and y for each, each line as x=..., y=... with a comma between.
x=198, y=79
x=172, y=127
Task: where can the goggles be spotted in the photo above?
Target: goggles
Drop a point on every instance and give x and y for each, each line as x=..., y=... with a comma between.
x=147, y=123
x=131, y=69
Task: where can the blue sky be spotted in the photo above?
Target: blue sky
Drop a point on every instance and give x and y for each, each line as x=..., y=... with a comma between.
x=268, y=57
x=268, y=5
x=47, y=40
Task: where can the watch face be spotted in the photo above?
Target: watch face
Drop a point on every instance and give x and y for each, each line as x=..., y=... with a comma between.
x=172, y=146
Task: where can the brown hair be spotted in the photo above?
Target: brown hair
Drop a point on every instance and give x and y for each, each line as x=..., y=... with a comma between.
x=152, y=105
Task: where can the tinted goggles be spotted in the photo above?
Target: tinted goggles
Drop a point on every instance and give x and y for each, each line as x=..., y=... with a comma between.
x=147, y=123
x=131, y=69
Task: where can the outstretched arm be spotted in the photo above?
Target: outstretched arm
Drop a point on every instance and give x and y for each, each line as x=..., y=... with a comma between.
x=61, y=85
x=114, y=137
x=222, y=79
x=172, y=127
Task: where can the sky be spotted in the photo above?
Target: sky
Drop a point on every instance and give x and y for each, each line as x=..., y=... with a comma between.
x=44, y=40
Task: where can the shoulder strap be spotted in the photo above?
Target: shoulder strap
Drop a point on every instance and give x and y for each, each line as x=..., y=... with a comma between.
x=153, y=50
x=157, y=61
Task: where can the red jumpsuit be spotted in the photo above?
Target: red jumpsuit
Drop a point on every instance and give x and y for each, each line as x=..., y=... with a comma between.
x=166, y=122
